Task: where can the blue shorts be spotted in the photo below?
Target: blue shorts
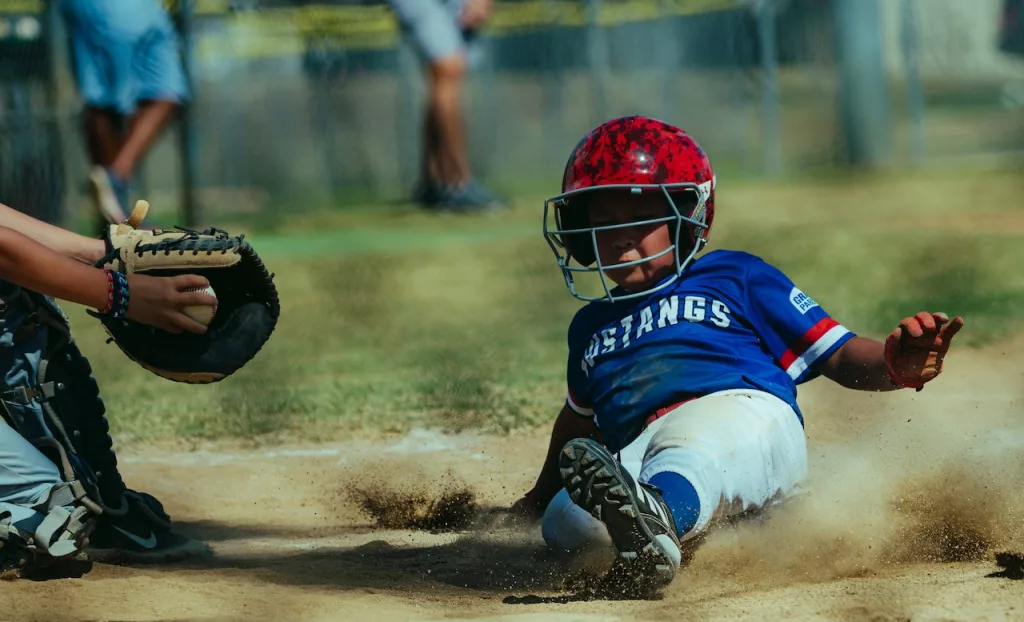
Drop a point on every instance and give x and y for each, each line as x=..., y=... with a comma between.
x=124, y=52
x=433, y=26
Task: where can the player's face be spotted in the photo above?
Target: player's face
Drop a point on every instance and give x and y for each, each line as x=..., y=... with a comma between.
x=633, y=243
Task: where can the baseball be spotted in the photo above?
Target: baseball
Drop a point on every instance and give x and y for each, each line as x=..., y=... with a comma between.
x=201, y=313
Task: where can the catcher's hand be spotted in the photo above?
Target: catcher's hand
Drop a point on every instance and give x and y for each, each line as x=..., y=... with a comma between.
x=915, y=350
x=160, y=301
x=247, y=303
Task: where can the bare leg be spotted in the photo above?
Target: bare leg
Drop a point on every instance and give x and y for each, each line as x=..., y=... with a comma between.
x=445, y=111
x=102, y=135
x=430, y=170
x=103, y=141
x=146, y=125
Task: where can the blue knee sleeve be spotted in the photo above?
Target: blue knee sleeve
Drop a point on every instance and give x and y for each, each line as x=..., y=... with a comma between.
x=681, y=498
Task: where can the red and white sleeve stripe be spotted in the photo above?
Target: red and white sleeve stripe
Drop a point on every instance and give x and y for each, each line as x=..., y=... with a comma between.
x=815, y=342
x=576, y=405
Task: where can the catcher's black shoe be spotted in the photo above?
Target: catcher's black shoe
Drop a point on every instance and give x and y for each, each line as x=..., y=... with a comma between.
x=639, y=523
x=142, y=536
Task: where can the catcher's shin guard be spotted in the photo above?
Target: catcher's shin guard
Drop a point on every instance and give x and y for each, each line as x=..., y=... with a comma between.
x=56, y=526
x=75, y=410
x=44, y=540
x=57, y=406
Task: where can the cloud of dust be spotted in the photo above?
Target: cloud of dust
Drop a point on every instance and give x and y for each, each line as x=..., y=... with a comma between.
x=447, y=505
x=895, y=480
x=886, y=495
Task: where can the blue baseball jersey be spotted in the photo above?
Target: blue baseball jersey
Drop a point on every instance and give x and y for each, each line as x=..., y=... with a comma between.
x=731, y=321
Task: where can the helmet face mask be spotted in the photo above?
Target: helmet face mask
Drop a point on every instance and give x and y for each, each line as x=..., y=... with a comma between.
x=633, y=157
x=575, y=243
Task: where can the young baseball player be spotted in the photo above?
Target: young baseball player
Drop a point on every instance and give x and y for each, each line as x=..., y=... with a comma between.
x=129, y=71
x=444, y=34
x=682, y=374
x=59, y=482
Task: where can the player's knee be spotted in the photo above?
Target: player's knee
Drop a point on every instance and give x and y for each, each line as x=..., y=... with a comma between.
x=568, y=528
x=448, y=71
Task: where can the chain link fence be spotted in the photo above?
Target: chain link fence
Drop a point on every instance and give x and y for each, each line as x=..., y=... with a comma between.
x=304, y=105
x=31, y=162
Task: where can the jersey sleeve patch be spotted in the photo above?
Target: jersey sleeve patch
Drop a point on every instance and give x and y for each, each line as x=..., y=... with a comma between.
x=822, y=339
x=801, y=301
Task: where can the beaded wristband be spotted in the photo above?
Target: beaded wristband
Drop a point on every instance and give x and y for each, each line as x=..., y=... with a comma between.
x=110, y=292
x=117, y=294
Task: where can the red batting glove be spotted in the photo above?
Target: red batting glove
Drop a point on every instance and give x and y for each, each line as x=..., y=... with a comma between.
x=914, y=351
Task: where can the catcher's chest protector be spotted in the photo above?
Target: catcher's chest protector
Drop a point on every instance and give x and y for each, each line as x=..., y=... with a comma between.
x=49, y=397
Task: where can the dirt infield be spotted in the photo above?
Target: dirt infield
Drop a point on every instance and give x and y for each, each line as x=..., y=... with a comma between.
x=913, y=497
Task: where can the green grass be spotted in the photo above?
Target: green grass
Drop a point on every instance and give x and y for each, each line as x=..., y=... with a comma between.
x=393, y=319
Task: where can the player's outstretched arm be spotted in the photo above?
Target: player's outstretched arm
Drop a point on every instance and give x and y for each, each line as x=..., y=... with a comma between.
x=911, y=356
x=156, y=301
x=568, y=426
x=67, y=243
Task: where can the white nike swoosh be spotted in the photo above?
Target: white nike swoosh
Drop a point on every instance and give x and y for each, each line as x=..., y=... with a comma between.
x=148, y=543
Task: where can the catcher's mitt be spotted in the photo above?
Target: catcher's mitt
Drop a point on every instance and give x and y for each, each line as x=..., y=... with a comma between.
x=247, y=303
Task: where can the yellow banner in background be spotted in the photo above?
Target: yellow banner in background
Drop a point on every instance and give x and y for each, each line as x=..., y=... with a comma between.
x=286, y=31
x=346, y=19
x=31, y=7
x=261, y=33
x=506, y=14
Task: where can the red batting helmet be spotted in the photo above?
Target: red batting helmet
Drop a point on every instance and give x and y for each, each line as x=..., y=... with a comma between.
x=639, y=155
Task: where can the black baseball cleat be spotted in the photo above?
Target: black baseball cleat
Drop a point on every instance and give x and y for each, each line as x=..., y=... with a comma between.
x=144, y=535
x=638, y=521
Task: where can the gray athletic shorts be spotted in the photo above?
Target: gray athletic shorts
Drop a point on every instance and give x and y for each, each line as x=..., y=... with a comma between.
x=433, y=26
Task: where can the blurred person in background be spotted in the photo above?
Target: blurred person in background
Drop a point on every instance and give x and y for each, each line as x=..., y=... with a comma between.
x=130, y=75
x=442, y=32
x=1011, y=27
x=1011, y=42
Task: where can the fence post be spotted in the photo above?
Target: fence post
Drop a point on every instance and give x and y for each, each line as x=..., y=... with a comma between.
x=915, y=95
x=410, y=122
x=668, y=50
x=487, y=114
x=553, y=78
x=187, y=130
x=321, y=63
x=68, y=126
x=597, y=57
x=864, y=99
x=771, y=135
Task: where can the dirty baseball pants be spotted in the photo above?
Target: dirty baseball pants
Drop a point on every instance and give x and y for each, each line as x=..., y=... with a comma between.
x=741, y=450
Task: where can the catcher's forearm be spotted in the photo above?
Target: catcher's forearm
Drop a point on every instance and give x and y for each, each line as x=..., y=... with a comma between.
x=27, y=263
x=860, y=364
x=67, y=243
